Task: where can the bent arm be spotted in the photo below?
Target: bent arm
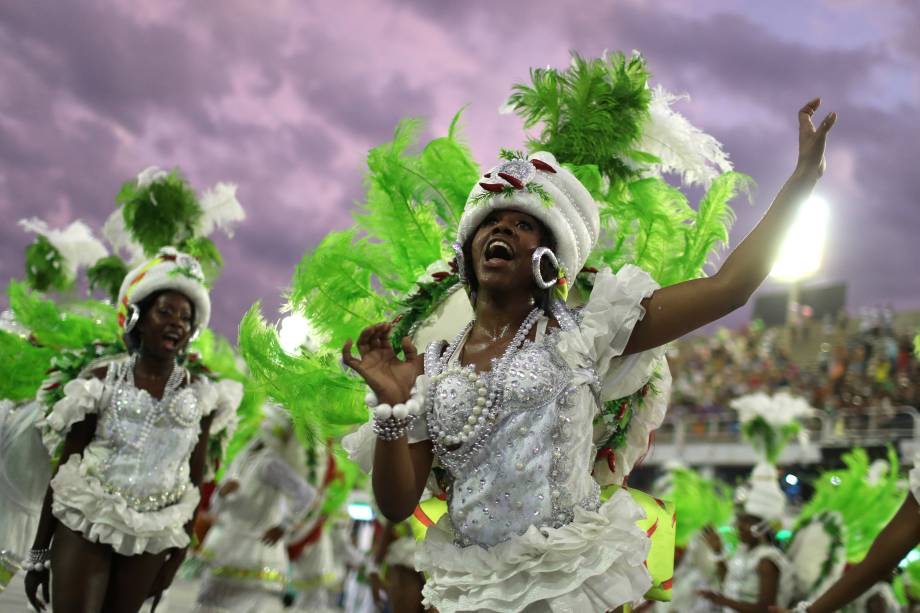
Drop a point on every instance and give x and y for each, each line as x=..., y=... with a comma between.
x=672, y=312
x=893, y=543
x=78, y=438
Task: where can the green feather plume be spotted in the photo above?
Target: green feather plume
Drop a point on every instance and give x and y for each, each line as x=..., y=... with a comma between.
x=165, y=212
x=24, y=367
x=700, y=502
x=207, y=254
x=45, y=270
x=865, y=508
x=321, y=397
x=591, y=113
x=107, y=274
x=56, y=328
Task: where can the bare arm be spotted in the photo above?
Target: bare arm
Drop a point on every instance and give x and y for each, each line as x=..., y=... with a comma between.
x=400, y=469
x=78, y=438
x=672, y=312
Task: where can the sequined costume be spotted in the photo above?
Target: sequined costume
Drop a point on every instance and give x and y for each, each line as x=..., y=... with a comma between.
x=244, y=573
x=131, y=487
x=742, y=581
x=525, y=530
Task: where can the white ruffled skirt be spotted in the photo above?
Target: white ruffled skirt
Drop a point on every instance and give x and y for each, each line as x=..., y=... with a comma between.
x=83, y=505
x=595, y=563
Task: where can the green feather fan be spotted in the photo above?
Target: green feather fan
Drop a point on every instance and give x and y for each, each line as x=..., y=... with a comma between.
x=321, y=397
x=56, y=328
x=24, y=367
x=700, y=502
x=864, y=507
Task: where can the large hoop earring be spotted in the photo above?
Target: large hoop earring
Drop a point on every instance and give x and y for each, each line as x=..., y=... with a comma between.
x=537, y=261
x=461, y=265
x=134, y=315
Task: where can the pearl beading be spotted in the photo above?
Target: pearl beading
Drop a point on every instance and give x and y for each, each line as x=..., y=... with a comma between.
x=150, y=407
x=489, y=394
x=393, y=422
x=38, y=560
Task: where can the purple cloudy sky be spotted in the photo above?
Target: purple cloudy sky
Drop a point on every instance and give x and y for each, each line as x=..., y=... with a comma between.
x=284, y=98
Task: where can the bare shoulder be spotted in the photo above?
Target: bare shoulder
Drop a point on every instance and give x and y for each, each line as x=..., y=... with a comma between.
x=100, y=372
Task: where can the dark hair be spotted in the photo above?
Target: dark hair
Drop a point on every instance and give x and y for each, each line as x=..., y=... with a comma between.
x=543, y=297
x=133, y=338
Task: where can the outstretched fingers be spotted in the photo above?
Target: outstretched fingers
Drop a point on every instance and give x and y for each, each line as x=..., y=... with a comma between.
x=827, y=123
x=349, y=359
x=807, y=112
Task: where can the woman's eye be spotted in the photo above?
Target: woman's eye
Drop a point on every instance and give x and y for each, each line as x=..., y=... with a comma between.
x=524, y=225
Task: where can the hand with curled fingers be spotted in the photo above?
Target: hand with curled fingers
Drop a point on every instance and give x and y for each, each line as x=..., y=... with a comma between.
x=35, y=579
x=388, y=376
x=812, y=140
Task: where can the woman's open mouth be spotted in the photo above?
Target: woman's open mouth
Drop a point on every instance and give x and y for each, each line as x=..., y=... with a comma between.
x=498, y=251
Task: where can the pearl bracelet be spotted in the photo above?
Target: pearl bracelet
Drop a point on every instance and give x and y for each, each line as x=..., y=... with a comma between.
x=391, y=429
x=392, y=422
x=802, y=607
x=38, y=560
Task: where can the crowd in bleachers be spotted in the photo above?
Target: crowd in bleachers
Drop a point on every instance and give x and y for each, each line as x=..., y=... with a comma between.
x=849, y=370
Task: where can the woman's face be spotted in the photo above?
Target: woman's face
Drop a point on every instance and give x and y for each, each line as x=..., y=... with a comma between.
x=745, y=524
x=501, y=250
x=166, y=326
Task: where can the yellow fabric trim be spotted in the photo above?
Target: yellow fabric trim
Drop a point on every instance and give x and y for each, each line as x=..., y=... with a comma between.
x=261, y=574
x=324, y=580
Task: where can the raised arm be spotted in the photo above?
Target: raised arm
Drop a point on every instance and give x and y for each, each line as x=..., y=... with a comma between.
x=400, y=469
x=672, y=312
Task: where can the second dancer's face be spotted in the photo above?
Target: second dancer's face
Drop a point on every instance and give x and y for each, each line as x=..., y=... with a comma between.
x=502, y=247
x=166, y=326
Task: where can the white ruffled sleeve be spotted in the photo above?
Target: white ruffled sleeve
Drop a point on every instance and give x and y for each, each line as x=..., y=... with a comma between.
x=596, y=346
x=82, y=397
x=219, y=399
x=360, y=444
x=913, y=477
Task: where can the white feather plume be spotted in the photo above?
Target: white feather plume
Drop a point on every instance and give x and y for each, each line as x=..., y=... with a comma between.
x=76, y=243
x=682, y=148
x=220, y=209
x=116, y=233
x=780, y=409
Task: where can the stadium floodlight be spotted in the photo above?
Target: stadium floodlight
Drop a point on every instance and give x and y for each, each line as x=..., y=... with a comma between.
x=293, y=332
x=802, y=249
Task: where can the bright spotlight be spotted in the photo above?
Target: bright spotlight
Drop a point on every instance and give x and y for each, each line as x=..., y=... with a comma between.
x=293, y=332
x=803, y=247
x=360, y=511
x=791, y=479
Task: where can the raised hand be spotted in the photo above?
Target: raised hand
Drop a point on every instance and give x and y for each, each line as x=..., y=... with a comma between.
x=812, y=140
x=390, y=378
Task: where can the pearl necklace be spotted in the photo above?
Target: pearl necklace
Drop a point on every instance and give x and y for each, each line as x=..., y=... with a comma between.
x=489, y=395
x=147, y=404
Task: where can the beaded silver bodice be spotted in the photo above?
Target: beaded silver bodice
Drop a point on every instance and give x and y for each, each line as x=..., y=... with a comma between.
x=518, y=471
x=147, y=442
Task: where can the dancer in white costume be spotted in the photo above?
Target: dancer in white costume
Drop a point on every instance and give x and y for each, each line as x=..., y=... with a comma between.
x=21, y=490
x=757, y=575
x=509, y=415
x=118, y=513
x=263, y=496
x=895, y=541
